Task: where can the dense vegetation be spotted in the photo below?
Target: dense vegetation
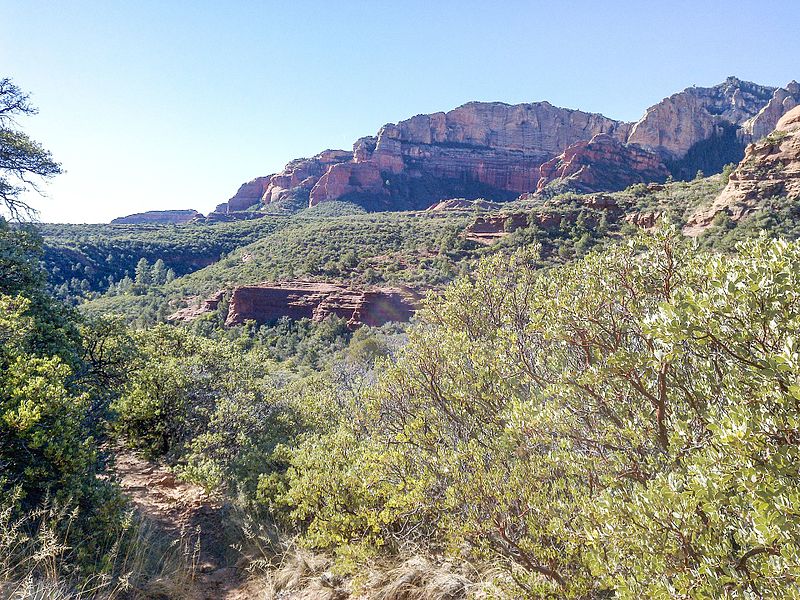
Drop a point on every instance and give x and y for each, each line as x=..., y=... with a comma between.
x=335, y=242
x=85, y=261
x=625, y=423
x=582, y=409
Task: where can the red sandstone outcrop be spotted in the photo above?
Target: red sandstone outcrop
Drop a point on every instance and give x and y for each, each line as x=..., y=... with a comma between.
x=481, y=146
x=489, y=228
x=316, y=300
x=348, y=180
x=602, y=164
x=770, y=168
x=298, y=176
x=190, y=313
x=247, y=195
x=644, y=220
x=496, y=150
x=159, y=216
x=460, y=204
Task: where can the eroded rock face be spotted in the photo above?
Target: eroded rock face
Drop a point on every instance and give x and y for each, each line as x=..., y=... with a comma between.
x=460, y=204
x=159, y=216
x=352, y=179
x=265, y=303
x=770, y=168
x=479, y=149
x=495, y=150
x=783, y=100
x=671, y=127
x=489, y=228
x=190, y=313
x=602, y=164
x=298, y=177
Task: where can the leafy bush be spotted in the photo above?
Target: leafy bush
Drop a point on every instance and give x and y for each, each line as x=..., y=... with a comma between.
x=622, y=425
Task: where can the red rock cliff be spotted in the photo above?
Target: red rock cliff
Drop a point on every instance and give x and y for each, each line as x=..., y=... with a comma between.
x=315, y=300
x=770, y=169
x=602, y=164
x=495, y=150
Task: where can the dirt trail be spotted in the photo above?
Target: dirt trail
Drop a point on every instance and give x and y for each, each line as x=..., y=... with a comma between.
x=177, y=507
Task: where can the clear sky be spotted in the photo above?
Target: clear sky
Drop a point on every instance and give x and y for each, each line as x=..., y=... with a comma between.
x=165, y=104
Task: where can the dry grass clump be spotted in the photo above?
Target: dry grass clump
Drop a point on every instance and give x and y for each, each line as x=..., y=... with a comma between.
x=419, y=579
x=302, y=575
x=40, y=560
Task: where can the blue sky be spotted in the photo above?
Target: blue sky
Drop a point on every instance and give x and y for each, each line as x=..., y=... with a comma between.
x=167, y=104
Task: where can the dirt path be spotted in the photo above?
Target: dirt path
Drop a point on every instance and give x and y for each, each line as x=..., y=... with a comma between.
x=179, y=508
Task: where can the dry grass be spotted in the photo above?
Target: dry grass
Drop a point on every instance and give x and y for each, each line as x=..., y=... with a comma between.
x=38, y=563
x=303, y=575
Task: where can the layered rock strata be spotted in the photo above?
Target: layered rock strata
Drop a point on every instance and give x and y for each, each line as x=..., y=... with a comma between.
x=496, y=151
x=671, y=127
x=266, y=303
x=770, y=169
x=190, y=313
x=602, y=164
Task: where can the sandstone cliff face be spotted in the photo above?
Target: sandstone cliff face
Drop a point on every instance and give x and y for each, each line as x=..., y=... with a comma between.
x=495, y=150
x=782, y=101
x=159, y=217
x=480, y=148
x=770, y=168
x=602, y=164
x=299, y=176
x=674, y=125
x=315, y=300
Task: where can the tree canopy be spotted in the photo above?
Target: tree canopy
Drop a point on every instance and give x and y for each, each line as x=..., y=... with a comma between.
x=24, y=163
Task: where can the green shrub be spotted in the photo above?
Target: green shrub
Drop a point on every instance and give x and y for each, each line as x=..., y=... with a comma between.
x=621, y=425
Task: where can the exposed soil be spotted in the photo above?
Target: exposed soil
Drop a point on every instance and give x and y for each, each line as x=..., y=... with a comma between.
x=184, y=511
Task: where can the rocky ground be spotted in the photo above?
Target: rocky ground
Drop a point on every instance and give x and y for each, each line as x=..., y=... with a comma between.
x=185, y=513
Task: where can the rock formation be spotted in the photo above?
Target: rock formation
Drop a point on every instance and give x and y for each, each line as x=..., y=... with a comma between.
x=190, y=313
x=460, y=204
x=496, y=151
x=267, y=302
x=783, y=100
x=770, y=169
x=296, y=179
x=480, y=149
x=602, y=164
x=489, y=228
x=159, y=217
x=677, y=123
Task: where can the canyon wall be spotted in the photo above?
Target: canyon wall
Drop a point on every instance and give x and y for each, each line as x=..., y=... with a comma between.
x=497, y=151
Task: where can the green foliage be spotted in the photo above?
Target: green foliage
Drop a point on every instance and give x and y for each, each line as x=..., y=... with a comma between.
x=23, y=161
x=84, y=261
x=726, y=172
x=205, y=403
x=623, y=424
x=56, y=379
